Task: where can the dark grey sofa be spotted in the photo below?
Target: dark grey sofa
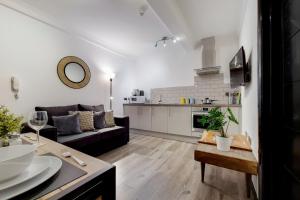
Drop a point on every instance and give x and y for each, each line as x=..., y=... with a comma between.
x=91, y=142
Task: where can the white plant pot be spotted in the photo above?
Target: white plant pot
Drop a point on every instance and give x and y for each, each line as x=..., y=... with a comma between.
x=223, y=143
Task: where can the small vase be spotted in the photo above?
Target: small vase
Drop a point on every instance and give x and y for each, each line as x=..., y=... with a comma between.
x=223, y=143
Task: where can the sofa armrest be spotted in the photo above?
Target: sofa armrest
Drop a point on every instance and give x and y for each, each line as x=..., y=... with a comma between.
x=48, y=131
x=122, y=121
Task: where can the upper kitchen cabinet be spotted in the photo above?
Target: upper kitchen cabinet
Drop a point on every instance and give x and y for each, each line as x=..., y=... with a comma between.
x=160, y=118
x=179, y=120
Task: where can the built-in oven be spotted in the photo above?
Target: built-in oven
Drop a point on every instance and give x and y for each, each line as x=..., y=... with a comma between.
x=197, y=115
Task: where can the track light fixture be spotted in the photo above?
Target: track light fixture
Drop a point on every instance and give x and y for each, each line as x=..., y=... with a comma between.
x=164, y=40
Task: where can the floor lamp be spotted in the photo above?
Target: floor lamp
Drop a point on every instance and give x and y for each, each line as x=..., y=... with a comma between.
x=111, y=77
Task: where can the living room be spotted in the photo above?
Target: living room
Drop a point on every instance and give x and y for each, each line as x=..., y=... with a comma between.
x=136, y=99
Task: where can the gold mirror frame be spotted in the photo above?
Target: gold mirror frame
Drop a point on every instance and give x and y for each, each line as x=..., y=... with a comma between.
x=62, y=75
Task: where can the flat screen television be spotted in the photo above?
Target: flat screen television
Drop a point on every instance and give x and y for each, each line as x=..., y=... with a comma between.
x=239, y=70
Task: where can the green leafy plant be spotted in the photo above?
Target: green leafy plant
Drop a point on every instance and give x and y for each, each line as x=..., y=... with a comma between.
x=9, y=123
x=216, y=120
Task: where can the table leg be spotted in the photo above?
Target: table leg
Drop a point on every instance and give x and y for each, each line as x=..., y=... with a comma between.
x=202, y=171
x=248, y=184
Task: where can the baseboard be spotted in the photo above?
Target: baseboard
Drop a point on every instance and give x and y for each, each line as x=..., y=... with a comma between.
x=181, y=138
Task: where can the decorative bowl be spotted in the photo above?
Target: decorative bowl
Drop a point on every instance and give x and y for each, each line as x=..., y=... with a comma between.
x=14, y=159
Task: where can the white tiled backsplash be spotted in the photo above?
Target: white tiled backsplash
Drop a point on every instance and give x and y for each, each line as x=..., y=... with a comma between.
x=210, y=85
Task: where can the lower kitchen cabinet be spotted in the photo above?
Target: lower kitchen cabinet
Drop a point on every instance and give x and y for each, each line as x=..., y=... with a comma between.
x=171, y=119
x=159, y=116
x=139, y=117
x=144, y=118
x=179, y=120
x=131, y=111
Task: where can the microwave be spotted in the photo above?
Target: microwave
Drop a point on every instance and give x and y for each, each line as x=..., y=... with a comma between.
x=137, y=99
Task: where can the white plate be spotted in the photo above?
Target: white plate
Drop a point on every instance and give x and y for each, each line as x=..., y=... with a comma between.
x=37, y=166
x=54, y=166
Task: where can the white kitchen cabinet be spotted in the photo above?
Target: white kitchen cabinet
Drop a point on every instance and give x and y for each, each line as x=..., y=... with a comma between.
x=234, y=128
x=144, y=117
x=179, y=120
x=139, y=116
x=160, y=118
x=131, y=111
x=171, y=119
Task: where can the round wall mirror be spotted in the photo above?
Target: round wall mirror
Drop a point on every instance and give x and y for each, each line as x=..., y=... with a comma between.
x=73, y=72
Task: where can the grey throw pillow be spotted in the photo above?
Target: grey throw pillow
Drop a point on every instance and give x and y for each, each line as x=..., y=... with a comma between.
x=99, y=120
x=67, y=125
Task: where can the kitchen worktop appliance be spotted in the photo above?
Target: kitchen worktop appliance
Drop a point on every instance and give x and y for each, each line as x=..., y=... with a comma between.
x=196, y=117
x=208, y=100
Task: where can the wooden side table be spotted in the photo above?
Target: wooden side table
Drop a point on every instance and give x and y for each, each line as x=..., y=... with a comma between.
x=239, y=160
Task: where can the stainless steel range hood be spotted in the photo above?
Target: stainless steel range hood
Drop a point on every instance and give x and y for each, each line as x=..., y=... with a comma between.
x=208, y=57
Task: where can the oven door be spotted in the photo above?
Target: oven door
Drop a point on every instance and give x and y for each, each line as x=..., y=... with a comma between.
x=196, y=124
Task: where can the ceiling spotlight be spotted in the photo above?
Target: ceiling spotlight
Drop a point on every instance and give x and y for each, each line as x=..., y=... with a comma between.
x=165, y=39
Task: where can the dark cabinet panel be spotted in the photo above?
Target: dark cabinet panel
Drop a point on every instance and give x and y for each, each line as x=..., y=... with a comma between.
x=292, y=106
x=279, y=99
x=290, y=185
x=291, y=18
x=291, y=149
x=292, y=59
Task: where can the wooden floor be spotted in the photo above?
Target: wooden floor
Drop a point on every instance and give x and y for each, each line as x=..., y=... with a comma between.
x=151, y=168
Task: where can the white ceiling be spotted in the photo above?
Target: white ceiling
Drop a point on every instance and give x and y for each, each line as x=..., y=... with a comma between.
x=117, y=25
x=213, y=17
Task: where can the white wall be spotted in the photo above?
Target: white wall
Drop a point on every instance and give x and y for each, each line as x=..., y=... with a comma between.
x=30, y=50
x=173, y=65
x=248, y=38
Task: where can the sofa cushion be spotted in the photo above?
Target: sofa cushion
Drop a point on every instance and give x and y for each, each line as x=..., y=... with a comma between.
x=97, y=108
x=109, y=119
x=86, y=119
x=99, y=120
x=89, y=136
x=106, y=130
x=70, y=138
x=67, y=125
x=57, y=111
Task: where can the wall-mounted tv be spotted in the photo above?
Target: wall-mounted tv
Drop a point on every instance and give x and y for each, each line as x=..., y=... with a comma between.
x=239, y=71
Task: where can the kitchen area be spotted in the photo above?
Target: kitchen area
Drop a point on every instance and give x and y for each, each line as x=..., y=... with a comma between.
x=177, y=110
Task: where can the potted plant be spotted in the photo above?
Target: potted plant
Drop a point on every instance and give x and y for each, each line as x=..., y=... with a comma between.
x=216, y=120
x=9, y=123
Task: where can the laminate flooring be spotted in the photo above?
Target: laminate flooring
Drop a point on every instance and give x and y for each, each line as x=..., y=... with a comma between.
x=152, y=168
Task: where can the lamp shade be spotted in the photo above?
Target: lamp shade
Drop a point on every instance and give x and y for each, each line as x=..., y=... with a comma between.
x=111, y=75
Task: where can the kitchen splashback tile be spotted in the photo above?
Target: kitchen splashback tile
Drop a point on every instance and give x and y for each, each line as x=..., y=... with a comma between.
x=211, y=86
